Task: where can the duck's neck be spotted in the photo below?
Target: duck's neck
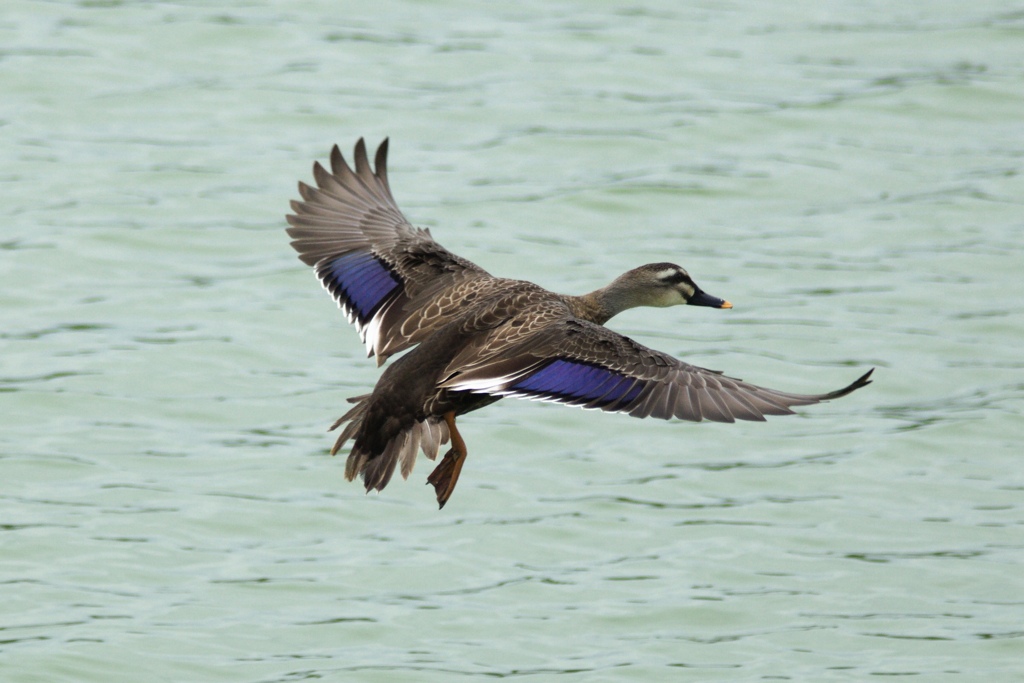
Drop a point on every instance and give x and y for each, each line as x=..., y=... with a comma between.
x=602, y=304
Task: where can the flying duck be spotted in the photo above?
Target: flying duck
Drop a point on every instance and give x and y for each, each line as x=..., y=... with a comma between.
x=476, y=338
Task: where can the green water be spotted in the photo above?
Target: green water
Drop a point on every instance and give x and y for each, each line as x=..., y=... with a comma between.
x=847, y=174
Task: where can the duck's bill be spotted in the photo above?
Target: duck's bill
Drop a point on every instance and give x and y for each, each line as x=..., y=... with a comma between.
x=702, y=298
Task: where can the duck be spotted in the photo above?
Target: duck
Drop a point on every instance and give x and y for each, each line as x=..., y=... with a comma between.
x=471, y=338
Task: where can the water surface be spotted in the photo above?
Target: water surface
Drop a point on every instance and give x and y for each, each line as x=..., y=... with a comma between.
x=848, y=175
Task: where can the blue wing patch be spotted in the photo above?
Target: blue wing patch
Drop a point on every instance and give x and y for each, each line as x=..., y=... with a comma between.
x=361, y=281
x=575, y=382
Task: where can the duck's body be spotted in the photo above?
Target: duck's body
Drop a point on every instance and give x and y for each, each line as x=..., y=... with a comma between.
x=479, y=338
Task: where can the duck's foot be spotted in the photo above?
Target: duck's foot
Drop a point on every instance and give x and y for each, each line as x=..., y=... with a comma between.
x=446, y=475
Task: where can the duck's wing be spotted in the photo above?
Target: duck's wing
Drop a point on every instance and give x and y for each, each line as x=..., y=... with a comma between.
x=392, y=280
x=579, y=363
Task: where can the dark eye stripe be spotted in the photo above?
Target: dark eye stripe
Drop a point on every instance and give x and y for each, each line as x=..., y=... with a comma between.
x=677, y=277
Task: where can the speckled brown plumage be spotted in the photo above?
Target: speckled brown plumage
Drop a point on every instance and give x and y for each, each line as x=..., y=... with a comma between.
x=476, y=338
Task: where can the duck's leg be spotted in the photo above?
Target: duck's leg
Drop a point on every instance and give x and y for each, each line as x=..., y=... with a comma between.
x=446, y=475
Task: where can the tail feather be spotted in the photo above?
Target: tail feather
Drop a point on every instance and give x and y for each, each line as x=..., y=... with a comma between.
x=435, y=434
x=407, y=455
x=400, y=451
x=377, y=471
x=356, y=415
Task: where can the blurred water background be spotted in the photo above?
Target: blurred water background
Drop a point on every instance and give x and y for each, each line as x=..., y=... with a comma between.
x=848, y=174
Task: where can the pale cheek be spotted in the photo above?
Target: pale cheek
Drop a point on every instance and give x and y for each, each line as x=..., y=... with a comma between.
x=671, y=298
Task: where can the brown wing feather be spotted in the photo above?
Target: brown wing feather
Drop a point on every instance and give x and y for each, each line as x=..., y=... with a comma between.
x=545, y=356
x=352, y=211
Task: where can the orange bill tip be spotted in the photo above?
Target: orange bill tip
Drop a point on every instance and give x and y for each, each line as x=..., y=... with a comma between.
x=726, y=304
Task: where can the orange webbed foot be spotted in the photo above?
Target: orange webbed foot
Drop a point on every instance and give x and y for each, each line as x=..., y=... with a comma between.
x=446, y=475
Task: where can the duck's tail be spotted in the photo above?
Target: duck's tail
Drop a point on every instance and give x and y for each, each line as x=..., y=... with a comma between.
x=382, y=445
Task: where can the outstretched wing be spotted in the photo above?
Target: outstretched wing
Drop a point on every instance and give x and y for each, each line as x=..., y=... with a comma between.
x=393, y=281
x=578, y=363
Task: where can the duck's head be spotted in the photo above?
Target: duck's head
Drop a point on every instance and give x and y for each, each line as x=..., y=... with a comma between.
x=661, y=284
